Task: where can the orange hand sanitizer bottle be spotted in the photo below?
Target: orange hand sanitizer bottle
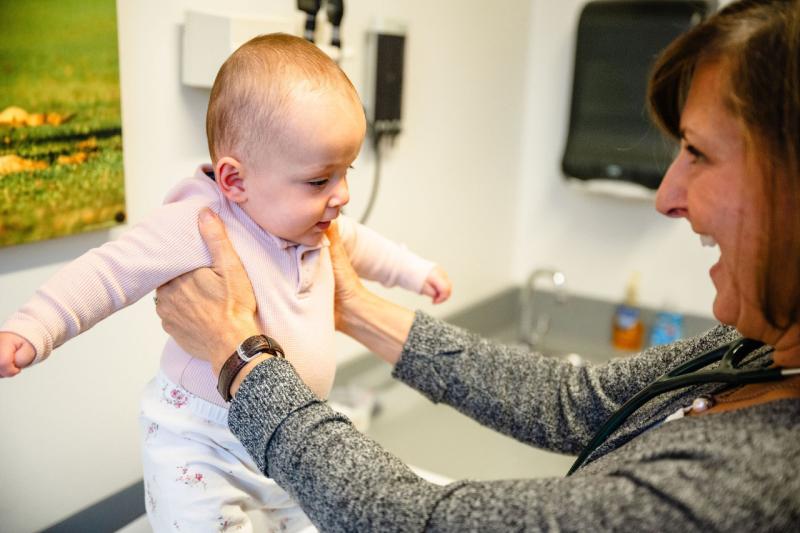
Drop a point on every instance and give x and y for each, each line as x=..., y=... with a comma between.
x=627, y=330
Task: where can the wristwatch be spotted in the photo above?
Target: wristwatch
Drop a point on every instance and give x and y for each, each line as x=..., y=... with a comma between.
x=246, y=351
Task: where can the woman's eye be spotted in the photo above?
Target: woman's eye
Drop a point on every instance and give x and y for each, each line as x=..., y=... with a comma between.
x=694, y=152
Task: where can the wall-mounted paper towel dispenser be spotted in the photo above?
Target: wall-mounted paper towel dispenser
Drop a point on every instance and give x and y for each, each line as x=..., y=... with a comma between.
x=611, y=139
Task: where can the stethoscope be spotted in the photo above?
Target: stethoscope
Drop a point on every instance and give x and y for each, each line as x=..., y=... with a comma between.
x=730, y=356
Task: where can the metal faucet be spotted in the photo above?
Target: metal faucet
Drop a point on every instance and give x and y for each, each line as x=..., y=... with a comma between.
x=528, y=333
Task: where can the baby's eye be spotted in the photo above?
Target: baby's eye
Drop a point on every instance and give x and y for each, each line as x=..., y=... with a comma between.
x=318, y=183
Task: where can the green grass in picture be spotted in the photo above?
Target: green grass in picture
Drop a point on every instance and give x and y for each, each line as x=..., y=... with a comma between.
x=60, y=126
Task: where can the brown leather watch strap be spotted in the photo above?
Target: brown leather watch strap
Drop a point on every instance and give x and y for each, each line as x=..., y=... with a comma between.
x=247, y=350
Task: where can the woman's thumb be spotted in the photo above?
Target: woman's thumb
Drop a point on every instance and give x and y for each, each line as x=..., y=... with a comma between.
x=213, y=232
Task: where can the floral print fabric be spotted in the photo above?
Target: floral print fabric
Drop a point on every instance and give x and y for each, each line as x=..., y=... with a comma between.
x=198, y=477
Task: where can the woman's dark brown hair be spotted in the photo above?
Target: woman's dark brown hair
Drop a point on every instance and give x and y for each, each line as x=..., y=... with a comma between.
x=758, y=43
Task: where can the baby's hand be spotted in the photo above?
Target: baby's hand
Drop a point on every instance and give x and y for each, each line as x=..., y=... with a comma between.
x=15, y=354
x=437, y=285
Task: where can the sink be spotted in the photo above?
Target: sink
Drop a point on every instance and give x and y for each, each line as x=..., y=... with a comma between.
x=439, y=439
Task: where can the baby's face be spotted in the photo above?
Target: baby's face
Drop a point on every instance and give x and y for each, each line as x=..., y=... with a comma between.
x=300, y=185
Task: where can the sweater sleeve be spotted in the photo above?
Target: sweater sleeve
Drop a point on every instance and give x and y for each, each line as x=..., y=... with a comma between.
x=539, y=400
x=118, y=273
x=376, y=258
x=345, y=481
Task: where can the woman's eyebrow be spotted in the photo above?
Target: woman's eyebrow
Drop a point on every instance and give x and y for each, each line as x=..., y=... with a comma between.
x=686, y=132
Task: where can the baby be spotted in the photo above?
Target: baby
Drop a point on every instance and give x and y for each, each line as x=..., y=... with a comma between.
x=284, y=125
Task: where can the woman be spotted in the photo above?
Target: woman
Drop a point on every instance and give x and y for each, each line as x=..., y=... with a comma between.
x=730, y=91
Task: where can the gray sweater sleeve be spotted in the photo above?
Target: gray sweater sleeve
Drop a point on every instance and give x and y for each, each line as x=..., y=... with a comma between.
x=544, y=401
x=672, y=478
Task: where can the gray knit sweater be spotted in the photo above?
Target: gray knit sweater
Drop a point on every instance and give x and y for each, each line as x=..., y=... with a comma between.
x=734, y=471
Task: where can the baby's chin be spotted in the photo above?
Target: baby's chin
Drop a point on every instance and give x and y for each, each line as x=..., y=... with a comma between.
x=309, y=239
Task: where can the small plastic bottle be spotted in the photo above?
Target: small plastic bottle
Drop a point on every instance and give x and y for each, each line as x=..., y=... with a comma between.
x=627, y=330
x=667, y=326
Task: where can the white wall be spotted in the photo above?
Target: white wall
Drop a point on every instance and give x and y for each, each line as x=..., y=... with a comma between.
x=597, y=241
x=69, y=430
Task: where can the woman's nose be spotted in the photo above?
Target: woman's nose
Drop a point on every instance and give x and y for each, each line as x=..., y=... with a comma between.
x=341, y=194
x=671, y=195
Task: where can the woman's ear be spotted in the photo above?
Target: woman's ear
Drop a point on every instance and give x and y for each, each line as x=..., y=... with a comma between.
x=228, y=173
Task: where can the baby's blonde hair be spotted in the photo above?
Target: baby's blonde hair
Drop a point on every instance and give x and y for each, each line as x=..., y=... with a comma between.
x=253, y=88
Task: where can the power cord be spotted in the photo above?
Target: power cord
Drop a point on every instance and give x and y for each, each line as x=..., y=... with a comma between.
x=377, y=137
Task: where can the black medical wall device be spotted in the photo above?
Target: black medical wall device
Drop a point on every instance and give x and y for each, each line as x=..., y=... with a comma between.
x=387, y=58
x=610, y=134
x=386, y=49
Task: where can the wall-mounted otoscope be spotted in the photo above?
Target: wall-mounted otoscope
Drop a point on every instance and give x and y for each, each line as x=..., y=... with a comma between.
x=335, y=10
x=310, y=8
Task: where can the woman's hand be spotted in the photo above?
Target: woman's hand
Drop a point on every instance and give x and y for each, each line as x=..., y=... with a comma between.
x=379, y=325
x=209, y=311
x=349, y=289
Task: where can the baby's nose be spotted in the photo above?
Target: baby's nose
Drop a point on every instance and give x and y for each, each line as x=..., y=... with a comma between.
x=340, y=196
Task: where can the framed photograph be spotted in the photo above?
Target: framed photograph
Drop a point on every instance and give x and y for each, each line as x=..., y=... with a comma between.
x=61, y=166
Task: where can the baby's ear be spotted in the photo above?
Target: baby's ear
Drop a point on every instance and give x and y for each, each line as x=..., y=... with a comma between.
x=227, y=172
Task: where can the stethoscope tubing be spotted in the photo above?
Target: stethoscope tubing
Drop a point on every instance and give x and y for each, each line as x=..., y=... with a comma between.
x=685, y=375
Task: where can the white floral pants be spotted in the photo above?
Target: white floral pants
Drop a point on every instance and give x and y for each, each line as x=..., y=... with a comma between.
x=198, y=477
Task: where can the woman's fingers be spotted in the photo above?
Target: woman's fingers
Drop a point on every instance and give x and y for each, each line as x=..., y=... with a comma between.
x=235, y=286
x=210, y=310
x=348, y=284
x=223, y=256
x=343, y=272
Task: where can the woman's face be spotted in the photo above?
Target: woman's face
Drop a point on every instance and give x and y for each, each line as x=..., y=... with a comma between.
x=708, y=185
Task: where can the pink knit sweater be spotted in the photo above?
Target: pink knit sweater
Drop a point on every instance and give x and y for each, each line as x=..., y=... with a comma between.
x=293, y=283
